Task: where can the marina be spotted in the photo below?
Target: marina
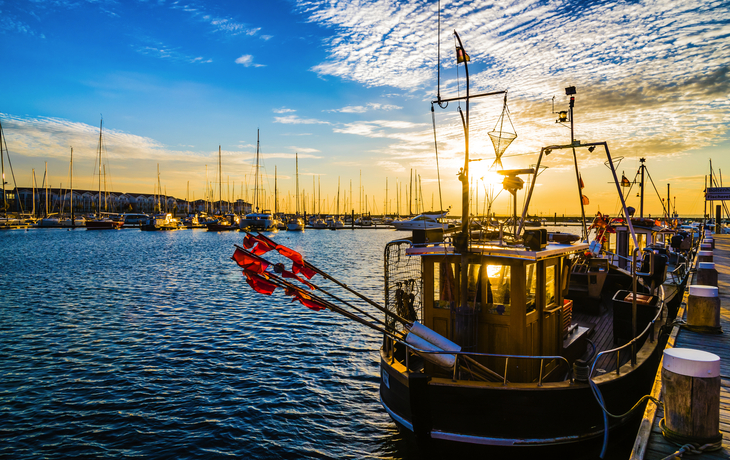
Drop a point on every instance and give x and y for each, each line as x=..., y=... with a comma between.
x=546, y=272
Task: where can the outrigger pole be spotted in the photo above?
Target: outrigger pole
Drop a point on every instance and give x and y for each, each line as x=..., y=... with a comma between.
x=339, y=283
x=573, y=145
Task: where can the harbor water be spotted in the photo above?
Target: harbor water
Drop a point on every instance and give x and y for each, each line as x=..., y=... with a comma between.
x=121, y=344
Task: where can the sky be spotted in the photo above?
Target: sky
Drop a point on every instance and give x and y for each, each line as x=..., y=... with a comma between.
x=347, y=85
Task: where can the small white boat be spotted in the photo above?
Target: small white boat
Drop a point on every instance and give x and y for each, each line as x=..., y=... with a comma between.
x=295, y=224
x=258, y=221
x=425, y=221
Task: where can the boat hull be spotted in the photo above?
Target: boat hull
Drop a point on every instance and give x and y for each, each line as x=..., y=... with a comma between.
x=514, y=415
x=103, y=225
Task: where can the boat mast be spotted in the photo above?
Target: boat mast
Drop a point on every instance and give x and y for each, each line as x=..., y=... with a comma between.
x=159, y=189
x=296, y=156
x=73, y=221
x=33, y=186
x=256, y=182
x=570, y=91
x=220, y=183
x=641, y=203
x=98, y=207
x=2, y=167
x=276, y=191
x=410, y=195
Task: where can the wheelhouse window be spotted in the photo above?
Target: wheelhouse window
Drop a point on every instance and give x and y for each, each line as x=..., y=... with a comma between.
x=531, y=286
x=497, y=289
x=550, y=285
x=474, y=291
x=444, y=285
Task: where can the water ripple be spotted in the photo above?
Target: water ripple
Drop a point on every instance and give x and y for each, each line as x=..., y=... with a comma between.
x=134, y=344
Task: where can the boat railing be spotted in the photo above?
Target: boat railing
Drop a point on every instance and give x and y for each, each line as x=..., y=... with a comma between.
x=469, y=355
x=633, y=344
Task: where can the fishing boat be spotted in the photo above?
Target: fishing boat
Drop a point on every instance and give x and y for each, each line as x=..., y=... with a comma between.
x=426, y=221
x=490, y=349
x=296, y=223
x=482, y=347
x=260, y=219
x=607, y=266
x=102, y=220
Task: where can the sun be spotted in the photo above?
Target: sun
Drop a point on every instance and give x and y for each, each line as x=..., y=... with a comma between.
x=488, y=178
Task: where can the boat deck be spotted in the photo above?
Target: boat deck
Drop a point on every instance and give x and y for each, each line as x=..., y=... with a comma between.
x=650, y=444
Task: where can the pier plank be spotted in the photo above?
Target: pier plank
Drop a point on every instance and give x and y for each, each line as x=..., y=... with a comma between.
x=650, y=444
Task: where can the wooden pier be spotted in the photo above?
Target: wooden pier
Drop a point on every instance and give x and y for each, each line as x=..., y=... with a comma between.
x=650, y=444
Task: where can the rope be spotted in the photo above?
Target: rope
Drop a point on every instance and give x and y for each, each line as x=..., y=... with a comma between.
x=703, y=329
x=688, y=444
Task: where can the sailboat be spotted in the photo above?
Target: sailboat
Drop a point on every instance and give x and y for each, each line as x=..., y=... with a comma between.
x=335, y=222
x=261, y=219
x=17, y=221
x=278, y=217
x=296, y=223
x=101, y=221
x=227, y=222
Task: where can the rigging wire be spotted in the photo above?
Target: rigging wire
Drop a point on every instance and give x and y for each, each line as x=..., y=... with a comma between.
x=436, y=146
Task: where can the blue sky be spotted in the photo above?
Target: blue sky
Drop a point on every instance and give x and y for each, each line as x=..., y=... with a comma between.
x=348, y=85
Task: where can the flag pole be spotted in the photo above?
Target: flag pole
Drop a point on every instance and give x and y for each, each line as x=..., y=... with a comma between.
x=279, y=282
x=346, y=287
x=387, y=312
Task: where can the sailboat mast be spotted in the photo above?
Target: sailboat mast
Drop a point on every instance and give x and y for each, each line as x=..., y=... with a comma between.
x=220, y=183
x=158, y=189
x=98, y=208
x=410, y=195
x=2, y=167
x=33, y=185
x=296, y=156
x=256, y=181
x=276, y=192
x=73, y=221
x=45, y=180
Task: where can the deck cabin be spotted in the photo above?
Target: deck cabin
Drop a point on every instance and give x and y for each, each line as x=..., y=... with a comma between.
x=516, y=304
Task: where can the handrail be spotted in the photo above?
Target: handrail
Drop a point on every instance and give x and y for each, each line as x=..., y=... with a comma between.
x=488, y=355
x=631, y=343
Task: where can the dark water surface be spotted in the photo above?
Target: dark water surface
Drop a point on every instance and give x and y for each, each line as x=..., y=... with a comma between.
x=121, y=344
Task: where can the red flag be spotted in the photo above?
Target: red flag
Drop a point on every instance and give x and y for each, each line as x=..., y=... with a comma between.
x=582, y=185
x=249, y=262
x=248, y=241
x=288, y=274
x=308, y=302
x=290, y=254
x=258, y=283
x=303, y=270
x=264, y=245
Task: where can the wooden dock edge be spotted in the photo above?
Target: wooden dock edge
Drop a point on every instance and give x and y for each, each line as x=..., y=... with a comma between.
x=647, y=422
